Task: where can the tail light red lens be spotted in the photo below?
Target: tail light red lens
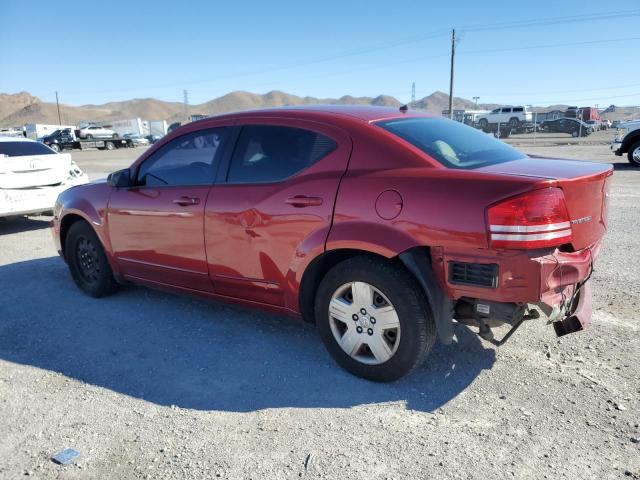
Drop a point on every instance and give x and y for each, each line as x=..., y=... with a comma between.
x=536, y=219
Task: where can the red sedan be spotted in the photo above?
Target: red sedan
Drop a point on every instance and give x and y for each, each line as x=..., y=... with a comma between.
x=381, y=226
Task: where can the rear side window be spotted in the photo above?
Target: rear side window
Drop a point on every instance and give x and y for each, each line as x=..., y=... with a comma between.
x=452, y=144
x=518, y=109
x=17, y=149
x=269, y=153
x=190, y=159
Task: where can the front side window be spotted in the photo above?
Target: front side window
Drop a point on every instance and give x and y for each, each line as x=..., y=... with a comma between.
x=269, y=153
x=452, y=144
x=506, y=110
x=191, y=159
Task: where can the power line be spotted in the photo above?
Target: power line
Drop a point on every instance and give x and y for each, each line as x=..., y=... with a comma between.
x=612, y=87
x=552, y=45
x=551, y=21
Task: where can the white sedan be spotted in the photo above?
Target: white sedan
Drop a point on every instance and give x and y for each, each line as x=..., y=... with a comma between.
x=32, y=176
x=93, y=131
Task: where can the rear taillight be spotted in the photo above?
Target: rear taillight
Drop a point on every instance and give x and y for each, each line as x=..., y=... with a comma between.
x=536, y=219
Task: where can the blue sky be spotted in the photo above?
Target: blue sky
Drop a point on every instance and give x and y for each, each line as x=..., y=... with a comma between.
x=136, y=49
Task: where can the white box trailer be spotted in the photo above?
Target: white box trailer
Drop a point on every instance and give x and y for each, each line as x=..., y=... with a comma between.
x=37, y=130
x=137, y=126
x=158, y=127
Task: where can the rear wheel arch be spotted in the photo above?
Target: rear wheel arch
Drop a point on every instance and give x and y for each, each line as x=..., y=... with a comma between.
x=315, y=272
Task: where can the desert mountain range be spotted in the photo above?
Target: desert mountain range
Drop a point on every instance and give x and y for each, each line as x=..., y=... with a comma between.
x=22, y=108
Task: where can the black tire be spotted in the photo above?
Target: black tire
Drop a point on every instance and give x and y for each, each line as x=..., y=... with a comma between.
x=89, y=137
x=483, y=123
x=514, y=122
x=55, y=147
x=87, y=261
x=575, y=133
x=417, y=328
x=634, y=151
x=109, y=145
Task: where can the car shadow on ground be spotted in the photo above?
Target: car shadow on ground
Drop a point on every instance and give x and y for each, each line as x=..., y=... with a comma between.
x=23, y=224
x=173, y=350
x=620, y=166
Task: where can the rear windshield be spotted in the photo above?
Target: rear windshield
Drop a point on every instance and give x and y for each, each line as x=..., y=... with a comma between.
x=18, y=149
x=451, y=143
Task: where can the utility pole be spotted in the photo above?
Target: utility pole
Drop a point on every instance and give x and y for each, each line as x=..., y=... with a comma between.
x=413, y=93
x=58, y=105
x=453, y=54
x=476, y=100
x=186, y=105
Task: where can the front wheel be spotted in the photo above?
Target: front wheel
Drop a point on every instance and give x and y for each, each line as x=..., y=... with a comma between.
x=373, y=318
x=514, y=122
x=483, y=123
x=55, y=147
x=88, y=262
x=634, y=154
x=109, y=145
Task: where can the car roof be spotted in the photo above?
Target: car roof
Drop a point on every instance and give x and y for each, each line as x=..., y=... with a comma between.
x=365, y=113
x=15, y=139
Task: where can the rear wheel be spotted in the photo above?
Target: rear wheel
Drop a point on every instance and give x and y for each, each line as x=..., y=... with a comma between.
x=374, y=319
x=87, y=261
x=109, y=145
x=514, y=122
x=634, y=154
x=483, y=123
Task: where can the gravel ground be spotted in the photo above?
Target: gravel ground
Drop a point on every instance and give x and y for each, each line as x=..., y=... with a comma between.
x=151, y=385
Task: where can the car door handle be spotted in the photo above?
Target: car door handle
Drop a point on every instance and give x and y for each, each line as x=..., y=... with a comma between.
x=301, y=201
x=184, y=201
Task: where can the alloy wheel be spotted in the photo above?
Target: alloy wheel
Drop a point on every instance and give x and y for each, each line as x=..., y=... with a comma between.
x=364, y=323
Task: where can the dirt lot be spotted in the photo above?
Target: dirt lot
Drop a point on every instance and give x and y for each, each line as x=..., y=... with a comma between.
x=149, y=385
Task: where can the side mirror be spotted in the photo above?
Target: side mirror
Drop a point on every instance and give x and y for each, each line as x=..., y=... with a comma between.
x=120, y=179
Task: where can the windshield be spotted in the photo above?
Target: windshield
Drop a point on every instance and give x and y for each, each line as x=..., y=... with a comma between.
x=451, y=143
x=18, y=149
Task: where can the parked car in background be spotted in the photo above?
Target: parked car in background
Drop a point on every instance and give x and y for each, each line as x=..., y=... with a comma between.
x=606, y=123
x=137, y=140
x=596, y=125
x=627, y=141
x=93, y=131
x=571, y=126
x=378, y=225
x=32, y=176
x=507, y=115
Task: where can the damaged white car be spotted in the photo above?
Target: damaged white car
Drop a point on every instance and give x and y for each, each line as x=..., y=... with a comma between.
x=32, y=176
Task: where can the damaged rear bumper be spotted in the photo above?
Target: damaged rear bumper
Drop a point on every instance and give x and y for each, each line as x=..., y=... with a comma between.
x=504, y=287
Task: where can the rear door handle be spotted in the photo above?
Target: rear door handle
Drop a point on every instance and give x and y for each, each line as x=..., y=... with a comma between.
x=301, y=201
x=184, y=201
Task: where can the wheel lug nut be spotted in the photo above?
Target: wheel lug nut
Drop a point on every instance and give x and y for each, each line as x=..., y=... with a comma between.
x=355, y=317
x=359, y=329
x=372, y=320
x=370, y=331
x=363, y=311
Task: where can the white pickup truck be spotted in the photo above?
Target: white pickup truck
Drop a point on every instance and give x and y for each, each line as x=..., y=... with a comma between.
x=32, y=176
x=627, y=141
x=507, y=115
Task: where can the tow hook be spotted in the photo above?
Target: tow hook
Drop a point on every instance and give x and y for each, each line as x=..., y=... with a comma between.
x=486, y=333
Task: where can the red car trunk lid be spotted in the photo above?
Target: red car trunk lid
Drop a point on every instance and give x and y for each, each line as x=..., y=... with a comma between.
x=585, y=186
